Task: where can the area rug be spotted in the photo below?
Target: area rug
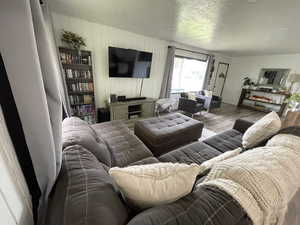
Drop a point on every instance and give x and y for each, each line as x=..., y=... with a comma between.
x=206, y=133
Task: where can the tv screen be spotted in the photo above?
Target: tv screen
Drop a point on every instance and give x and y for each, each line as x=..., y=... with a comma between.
x=129, y=63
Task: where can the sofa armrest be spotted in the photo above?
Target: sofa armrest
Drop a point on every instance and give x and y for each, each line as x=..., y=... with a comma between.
x=242, y=125
x=200, y=100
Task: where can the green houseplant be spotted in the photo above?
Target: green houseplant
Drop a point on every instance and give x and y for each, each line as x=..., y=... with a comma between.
x=73, y=40
x=293, y=101
x=247, y=82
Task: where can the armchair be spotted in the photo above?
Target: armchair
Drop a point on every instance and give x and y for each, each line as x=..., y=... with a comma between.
x=189, y=105
x=210, y=102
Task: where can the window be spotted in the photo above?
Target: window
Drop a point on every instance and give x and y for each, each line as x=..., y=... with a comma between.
x=188, y=74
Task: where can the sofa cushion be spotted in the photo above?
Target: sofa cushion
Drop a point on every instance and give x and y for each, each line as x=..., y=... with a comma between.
x=165, y=133
x=206, y=205
x=293, y=130
x=225, y=141
x=242, y=125
x=149, y=160
x=149, y=185
x=262, y=129
x=77, y=122
x=197, y=152
x=85, y=193
x=76, y=131
x=124, y=146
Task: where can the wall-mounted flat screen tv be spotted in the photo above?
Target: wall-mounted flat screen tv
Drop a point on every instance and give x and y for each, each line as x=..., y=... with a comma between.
x=129, y=63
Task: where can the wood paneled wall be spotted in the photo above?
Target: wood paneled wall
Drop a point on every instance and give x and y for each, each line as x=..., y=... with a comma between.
x=98, y=37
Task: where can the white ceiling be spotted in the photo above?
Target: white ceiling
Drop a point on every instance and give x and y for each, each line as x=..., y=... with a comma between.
x=232, y=27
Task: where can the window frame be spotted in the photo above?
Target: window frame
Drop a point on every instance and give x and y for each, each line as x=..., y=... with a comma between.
x=190, y=58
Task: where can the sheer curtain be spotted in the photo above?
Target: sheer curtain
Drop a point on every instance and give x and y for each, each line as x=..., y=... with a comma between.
x=30, y=58
x=167, y=79
x=14, y=192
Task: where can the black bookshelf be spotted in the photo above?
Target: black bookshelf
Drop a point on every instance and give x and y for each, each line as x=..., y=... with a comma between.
x=78, y=73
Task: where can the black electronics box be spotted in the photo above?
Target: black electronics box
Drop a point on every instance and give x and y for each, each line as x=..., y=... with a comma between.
x=113, y=98
x=103, y=115
x=121, y=98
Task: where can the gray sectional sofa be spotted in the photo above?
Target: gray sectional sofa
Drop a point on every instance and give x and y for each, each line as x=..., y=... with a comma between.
x=85, y=193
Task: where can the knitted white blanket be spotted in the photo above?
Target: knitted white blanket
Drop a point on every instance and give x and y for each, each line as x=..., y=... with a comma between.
x=262, y=180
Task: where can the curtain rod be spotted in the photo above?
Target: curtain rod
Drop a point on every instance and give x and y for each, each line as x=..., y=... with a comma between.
x=190, y=51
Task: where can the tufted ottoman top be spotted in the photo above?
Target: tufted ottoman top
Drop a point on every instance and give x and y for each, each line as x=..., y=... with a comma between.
x=166, y=125
x=172, y=128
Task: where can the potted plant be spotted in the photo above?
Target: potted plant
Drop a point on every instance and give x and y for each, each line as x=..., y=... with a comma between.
x=247, y=83
x=293, y=102
x=73, y=40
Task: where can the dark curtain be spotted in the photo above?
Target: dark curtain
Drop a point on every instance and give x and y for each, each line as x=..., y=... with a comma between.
x=209, y=72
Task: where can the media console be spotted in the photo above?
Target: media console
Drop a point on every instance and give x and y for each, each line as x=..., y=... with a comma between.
x=262, y=100
x=133, y=108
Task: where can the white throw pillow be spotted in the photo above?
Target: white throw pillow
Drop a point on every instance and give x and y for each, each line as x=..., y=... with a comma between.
x=208, y=93
x=264, y=128
x=192, y=96
x=285, y=140
x=148, y=185
x=226, y=155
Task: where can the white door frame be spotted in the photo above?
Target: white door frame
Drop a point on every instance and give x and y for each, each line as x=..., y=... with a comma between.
x=227, y=64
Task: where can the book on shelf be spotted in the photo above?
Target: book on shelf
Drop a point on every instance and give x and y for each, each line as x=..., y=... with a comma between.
x=86, y=59
x=81, y=87
x=81, y=99
x=82, y=110
x=73, y=73
x=87, y=99
x=68, y=58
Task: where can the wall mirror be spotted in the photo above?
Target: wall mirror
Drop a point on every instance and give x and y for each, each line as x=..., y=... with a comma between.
x=273, y=77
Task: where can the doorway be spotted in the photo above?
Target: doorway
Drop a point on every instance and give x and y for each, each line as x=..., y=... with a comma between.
x=220, y=79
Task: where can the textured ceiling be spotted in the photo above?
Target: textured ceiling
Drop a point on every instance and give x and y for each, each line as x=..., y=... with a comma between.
x=232, y=27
